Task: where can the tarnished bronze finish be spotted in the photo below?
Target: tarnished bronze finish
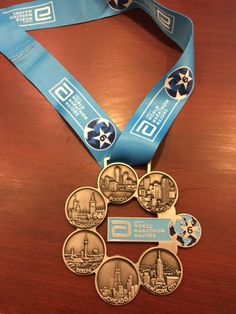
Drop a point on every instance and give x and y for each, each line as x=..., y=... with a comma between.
x=117, y=281
x=85, y=208
x=83, y=252
x=157, y=192
x=118, y=183
x=160, y=271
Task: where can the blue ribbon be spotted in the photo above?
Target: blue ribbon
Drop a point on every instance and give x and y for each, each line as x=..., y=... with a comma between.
x=149, y=124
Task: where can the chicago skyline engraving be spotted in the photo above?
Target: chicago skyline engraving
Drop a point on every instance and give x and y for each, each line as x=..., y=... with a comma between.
x=85, y=208
x=160, y=271
x=117, y=281
x=157, y=192
x=83, y=252
x=118, y=183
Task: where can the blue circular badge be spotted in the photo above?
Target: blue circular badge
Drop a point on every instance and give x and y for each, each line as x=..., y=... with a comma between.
x=179, y=83
x=187, y=229
x=119, y=4
x=100, y=134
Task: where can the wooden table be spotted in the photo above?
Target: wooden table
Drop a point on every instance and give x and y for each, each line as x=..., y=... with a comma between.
x=41, y=161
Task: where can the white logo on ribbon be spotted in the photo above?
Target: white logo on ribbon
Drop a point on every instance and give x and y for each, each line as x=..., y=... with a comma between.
x=146, y=128
x=166, y=20
x=43, y=14
x=63, y=92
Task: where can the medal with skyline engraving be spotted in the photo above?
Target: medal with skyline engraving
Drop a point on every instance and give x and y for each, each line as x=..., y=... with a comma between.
x=85, y=208
x=117, y=281
x=157, y=192
x=118, y=182
x=160, y=271
x=83, y=252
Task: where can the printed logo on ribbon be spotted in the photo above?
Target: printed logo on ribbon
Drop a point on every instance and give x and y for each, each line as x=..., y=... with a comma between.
x=167, y=21
x=179, y=83
x=119, y=4
x=33, y=15
x=100, y=134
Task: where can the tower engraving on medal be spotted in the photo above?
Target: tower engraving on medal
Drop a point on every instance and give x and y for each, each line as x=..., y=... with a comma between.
x=83, y=252
x=118, y=183
x=85, y=208
x=157, y=192
x=160, y=271
x=117, y=281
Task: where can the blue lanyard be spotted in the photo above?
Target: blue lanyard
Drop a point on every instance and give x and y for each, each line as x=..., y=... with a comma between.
x=149, y=124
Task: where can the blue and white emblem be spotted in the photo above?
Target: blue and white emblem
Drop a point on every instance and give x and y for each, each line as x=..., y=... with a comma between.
x=119, y=4
x=179, y=83
x=188, y=230
x=100, y=134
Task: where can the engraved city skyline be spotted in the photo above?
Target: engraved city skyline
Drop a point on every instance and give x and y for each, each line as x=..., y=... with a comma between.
x=86, y=208
x=157, y=192
x=120, y=287
x=160, y=272
x=118, y=183
x=83, y=252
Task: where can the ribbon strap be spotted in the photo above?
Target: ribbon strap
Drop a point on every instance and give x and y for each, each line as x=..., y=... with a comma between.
x=146, y=129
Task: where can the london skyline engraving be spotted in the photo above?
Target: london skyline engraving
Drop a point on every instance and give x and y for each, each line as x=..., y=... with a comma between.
x=83, y=252
x=118, y=183
x=85, y=208
x=157, y=192
x=117, y=281
x=160, y=271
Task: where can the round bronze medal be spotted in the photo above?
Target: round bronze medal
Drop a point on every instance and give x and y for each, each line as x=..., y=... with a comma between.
x=117, y=281
x=160, y=271
x=85, y=208
x=118, y=183
x=83, y=252
x=157, y=192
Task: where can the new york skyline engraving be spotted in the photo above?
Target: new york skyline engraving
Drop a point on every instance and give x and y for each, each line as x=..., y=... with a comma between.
x=160, y=272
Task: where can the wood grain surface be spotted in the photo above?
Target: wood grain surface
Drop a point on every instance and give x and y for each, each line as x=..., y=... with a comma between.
x=42, y=161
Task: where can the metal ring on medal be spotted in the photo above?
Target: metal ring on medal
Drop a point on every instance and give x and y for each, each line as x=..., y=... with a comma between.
x=118, y=183
x=117, y=281
x=83, y=252
x=160, y=271
x=157, y=192
x=85, y=208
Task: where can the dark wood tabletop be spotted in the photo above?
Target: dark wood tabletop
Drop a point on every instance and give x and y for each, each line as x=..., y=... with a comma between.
x=42, y=161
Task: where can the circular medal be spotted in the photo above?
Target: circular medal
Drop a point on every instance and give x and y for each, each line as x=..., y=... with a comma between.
x=118, y=183
x=160, y=271
x=188, y=230
x=83, y=252
x=85, y=208
x=117, y=281
x=157, y=192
